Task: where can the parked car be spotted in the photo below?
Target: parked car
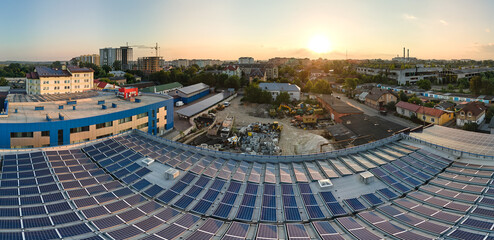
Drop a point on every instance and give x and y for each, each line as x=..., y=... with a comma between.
x=179, y=104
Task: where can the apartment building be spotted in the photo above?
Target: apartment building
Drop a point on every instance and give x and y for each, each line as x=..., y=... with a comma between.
x=71, y=79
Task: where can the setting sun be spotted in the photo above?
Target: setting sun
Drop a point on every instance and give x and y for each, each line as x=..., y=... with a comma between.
x=319, y=44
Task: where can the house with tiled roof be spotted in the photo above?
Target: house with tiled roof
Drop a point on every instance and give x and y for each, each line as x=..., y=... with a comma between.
x=257, y=73
x=377, y=98
x=427, y=114
x=472, y=112
x=232, y=70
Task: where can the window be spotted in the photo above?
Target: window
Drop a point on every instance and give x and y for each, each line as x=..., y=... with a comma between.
x=21, y=134
x=469, y=114
x=79, y=129
x=432, y=119
x=423, y=117
x=462, y=113
x=141, y=126
x=103, y=136
x=125, y=120
x=103, y=125
x=154, y=115
x=141, y=115
x=45, y=133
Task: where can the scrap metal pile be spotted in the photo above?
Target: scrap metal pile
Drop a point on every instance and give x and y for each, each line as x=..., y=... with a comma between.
x=260, y=139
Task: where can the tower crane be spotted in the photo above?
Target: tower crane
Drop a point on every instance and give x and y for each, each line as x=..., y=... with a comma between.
x=156, y=48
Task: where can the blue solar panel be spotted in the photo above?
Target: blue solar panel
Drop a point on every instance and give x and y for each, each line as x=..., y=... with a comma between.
x=43, y=234
x=315, y=212
x=234, y=187
x=309, y=199
x=36, y=222
x=304, y=188
x=183, y=202
x=74, y=230
x=153, y=191
x=229, y=198
x=251, y=188
x=402, y=188
x=287, y=189
x=372, y=199
x=167, y=196
x=141, y=184
x=336, y=209
x=30, y=211
x=179, y=187
x=222, y=211
x=388, y=194
x=245, y=213
x=268, y=214
x=65, y=218
x=10, y=224
x=131, y=178
x=355, y=204
x=217, y=184
x=249, y=200
x=194, y=191
x=269, y=201
x=328, y=197
x=289, y=201
x=202, y=207
x=292, y=214
x=143, y=171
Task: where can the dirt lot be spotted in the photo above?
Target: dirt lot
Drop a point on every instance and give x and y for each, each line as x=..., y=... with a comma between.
x=293, y=140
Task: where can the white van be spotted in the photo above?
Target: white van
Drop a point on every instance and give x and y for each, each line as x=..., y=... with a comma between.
x=179, y=104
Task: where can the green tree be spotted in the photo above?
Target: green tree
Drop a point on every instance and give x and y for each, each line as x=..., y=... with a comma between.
x=233, y=82
x=3, y=82
x=415, y=100
x=391, y=106
x=283, y=97
x=56, y=64
x=476, y=85
x=424, y=84
x=106, y=68
x=472, y=126
x=130, y=78
x=403, y=96
x=117, y=65
x=350, y=84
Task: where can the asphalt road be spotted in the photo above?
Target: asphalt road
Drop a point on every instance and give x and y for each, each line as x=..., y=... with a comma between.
x=374, y=112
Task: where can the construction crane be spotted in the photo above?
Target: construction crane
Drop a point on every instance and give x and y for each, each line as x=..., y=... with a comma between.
x=156, y=48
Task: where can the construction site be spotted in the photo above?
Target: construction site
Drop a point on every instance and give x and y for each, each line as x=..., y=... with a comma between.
x=258, y=130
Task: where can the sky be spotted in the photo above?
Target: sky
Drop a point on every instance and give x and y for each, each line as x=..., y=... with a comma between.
x=48, y=30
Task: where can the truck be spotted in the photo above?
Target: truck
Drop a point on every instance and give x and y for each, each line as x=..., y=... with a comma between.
x=226, y=127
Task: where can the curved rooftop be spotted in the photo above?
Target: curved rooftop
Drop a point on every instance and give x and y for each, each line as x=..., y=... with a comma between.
x=104, y=190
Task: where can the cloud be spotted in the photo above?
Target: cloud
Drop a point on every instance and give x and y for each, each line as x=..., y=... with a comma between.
x=488, y=47
x=443, y=22
x=409, y=16
x=487, y=30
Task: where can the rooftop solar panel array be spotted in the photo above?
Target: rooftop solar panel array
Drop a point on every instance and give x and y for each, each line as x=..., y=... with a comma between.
x=102, y=190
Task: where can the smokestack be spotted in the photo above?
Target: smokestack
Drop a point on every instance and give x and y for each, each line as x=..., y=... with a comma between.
x=408, y=54
x=403, y=53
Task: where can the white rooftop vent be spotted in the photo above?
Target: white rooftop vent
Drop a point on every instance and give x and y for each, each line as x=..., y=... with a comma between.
x=148, y=161
x=366, y=177
x=171, y=174
x=325, y=184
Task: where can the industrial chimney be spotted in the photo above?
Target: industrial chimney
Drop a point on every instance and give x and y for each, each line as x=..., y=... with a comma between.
x=408, y=54
x=403, y=53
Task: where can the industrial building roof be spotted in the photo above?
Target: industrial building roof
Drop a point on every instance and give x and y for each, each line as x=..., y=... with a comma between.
x=203, y=105
x=194, y=88
x=338, y=105
x=162, y=87
x=282, y=87
x=86, y=107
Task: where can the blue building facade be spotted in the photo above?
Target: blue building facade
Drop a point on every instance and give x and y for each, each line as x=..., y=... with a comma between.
x=192, y=98
x=59, y=130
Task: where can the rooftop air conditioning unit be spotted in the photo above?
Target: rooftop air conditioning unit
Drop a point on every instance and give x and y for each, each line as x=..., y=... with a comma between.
x=325, y=184
x=147, y=161
x=367, y=177
x=171, y=174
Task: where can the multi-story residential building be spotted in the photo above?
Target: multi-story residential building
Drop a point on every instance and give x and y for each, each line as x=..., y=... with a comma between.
x=107, y=56
x=68, y=121
x=245, y=60
x=472, y=112
x=149, y=65
x=268, y=71
x=123, y=54
x=180, y=63
x=91, y=58
x=71, y=79
x=204, y=62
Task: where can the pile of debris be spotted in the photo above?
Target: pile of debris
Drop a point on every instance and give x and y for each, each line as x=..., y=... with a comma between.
x=260, y=139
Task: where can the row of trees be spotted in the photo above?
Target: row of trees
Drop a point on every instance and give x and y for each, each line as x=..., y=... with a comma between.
x=191, y=75
x=15, y=70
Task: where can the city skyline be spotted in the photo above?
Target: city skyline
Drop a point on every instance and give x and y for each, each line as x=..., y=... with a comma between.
x=55, y=30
